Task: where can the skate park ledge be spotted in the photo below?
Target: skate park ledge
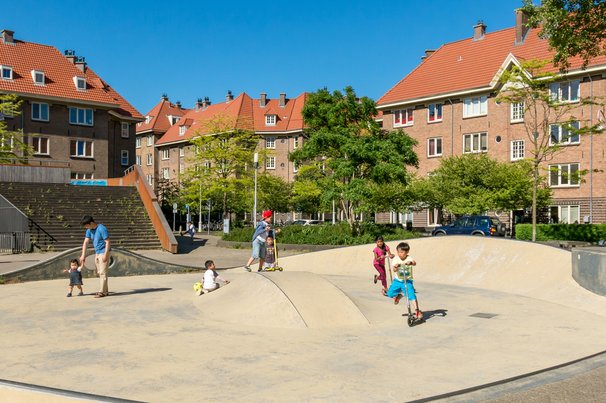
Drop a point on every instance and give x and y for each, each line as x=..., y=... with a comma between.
x=589, y=269
x=281, y=246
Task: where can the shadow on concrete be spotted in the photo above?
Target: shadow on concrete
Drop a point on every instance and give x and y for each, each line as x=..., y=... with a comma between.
x=427, y=315
x=138, y=291
x=185, y=244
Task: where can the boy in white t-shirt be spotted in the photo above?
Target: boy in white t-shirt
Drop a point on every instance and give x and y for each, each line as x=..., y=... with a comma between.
x=211, y=276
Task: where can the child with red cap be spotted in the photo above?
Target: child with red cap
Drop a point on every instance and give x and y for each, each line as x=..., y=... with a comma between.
x=259, y=249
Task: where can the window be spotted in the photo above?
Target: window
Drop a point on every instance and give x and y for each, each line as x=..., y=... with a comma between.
x=6, y=72
x=82, y=175
x=148, y=119
x=296, y=143
x=517, y=112
x=80, y=116
x=475, y=143
x=270, y=120
x=567, y=91
x=295, y=167
x=434, y=147
x=38, y=77
x=150, y=160
x=563, y=135
x=39, y=111
x=40, y=145
x=80, y=83
x=403, y=117
x=434, y=112
x=6, y=144
x=173, y=119
x=124, y=130
x=138, y=160
x=564, y=175
x=81, y=148
x=517, y=150
x=270, y=163
x=181, y=168
x=564, y=214
x=150, y=180
x=150, y=139
x=475, y=106
x=138, y=142
x=165, y=153
x=124, y=158
x=182, y=130
x=270, y=142
x=165, y=173
x=433, y=217
x=181, y=151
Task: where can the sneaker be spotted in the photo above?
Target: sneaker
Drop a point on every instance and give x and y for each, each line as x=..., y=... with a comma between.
x=80, y=294
x=384, y=292
x=259, y=269
x=397, y=299
x=375, y=279
x=419, y=314
x=69, y=294
x=247, y=268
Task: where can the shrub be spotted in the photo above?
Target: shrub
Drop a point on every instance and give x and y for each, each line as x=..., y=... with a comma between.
x=327, y=234
x=563, y=232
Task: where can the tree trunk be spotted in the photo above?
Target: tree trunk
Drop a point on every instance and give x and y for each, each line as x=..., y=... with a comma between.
x=535, y=178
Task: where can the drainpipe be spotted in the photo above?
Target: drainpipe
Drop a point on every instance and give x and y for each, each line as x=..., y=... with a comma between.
x=451, y=127
x=590, y=151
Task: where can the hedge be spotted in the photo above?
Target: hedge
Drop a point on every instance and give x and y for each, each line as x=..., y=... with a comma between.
x=562, y=232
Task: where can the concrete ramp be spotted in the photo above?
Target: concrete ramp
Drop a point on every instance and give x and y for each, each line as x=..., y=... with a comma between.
x=280, y=300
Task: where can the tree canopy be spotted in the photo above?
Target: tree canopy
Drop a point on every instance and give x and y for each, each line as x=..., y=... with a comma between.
x=572, y=27
x=12, y=147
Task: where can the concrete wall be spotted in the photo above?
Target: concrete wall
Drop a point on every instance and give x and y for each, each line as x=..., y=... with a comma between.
x=589, y=269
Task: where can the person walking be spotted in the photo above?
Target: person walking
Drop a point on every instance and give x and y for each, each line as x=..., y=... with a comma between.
x=98, y=235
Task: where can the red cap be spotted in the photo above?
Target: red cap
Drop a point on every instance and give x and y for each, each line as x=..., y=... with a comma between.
x=267, y=214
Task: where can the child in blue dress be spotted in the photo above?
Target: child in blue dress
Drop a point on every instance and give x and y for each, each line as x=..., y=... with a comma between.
x=75, y=277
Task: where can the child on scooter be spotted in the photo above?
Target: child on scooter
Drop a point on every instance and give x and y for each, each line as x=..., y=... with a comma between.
x=402, y=266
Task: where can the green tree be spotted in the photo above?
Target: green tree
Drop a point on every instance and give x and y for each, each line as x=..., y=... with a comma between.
x=530, y=87
x=358, y=155
x=221, y=165
x=308, y=189
x=273, y=193
x=12, y=147
x=572, y=27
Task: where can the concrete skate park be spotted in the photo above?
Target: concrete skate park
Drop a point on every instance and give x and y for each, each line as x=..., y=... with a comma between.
x=497, y=310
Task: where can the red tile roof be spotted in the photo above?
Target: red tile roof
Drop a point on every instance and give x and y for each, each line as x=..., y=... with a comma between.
x=467, y=65
x=244, y=113
x=159, y=122
x=59, y=74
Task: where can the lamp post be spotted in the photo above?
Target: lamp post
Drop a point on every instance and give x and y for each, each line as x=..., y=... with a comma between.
x=255, y=167
x=200, y=210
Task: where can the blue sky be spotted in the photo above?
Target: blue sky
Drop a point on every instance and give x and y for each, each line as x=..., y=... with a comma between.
x=190, y=50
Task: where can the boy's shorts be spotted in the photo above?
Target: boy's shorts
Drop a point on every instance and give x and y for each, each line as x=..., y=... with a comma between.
x=397, y=287
x=259, y=250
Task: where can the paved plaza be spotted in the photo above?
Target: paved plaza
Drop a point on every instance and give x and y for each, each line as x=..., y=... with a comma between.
x=319, y=331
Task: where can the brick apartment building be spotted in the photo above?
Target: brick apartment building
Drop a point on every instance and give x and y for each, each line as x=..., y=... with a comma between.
x=447, y=103
x=69, y=115
x=278, y=122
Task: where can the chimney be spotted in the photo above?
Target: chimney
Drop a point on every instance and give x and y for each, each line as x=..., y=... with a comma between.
x=7, y=36
x=70, y=55
x=479, y=30
x=522, y=26
x=428, y=52
x=282, y=102
x=81, y=63
x=164, y=97
x=178, y=104
x=263, y=100
x=198, y=105
x=206, y=103
x=229, y=97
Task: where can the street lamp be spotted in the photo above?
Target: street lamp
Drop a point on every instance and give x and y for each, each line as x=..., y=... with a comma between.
x=200, y=210
x=255, y=167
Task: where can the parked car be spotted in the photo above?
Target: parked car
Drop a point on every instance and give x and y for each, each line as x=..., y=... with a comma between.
x=472, y=225
x=306, y=222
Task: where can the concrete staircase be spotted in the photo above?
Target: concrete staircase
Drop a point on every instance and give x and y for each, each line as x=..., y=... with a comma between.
x=58, y=209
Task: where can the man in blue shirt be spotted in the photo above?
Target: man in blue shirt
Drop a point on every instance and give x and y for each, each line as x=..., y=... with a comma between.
x=98, y=235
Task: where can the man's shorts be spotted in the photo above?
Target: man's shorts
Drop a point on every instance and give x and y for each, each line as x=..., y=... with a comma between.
x=397, y=287
x=259, y=249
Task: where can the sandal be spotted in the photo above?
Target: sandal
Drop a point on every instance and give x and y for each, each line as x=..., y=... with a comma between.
x=375, y=279
x=100, y=295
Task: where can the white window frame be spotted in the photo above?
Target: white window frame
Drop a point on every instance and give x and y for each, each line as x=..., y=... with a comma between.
x=148, y=119
x=138, y=160
x=560, y=171
x=517, y=150
x=166, y=173
x=165, y=153
x=150, y=159
x=475, y=146
x=437, y=143
x=516, y=112
x=295, y=167
x=295, y=143
x=80, y=83
x=3, y=141
x=564, y=92
x=270, y=162
x=181, y=151
x=35, y=74
x=270, y=143
x=182, y=130
x=81, y=116
x=561, y=131
x=150, y=180
x=40, y=107
x=4, y=69
x=403, y=115
x=124, y=160
x=124, y=130
x=38, y=143
x=434, y=113
x=270, y=120
x=150, y=139
x=433, y=217
x=566, y=214
x=475, y=106
x=181, y=167
x=83, y=155
x=138, y=142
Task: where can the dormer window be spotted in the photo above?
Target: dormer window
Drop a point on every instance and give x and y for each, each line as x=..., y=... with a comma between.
x=80, y=83
x=38, y=77
x=6, y=72
x=173, y=119
x=270, y=120
x=148, y=119
x=182, y=130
